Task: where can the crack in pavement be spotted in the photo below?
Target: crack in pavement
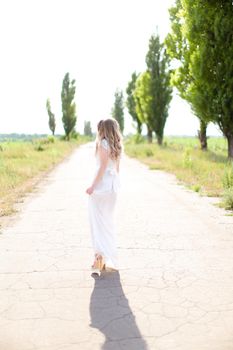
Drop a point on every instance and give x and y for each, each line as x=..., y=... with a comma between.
x=174, y=289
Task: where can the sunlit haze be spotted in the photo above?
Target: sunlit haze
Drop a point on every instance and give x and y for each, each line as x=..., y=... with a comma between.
x=100, y=43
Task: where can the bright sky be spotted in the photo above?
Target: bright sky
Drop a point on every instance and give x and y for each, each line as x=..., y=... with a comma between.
x=100, y=43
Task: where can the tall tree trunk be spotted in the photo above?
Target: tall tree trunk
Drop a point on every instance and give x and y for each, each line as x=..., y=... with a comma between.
x=202, y=135
x=230, y=146
x=159, y=139
x=149, y=134
x=139, y=128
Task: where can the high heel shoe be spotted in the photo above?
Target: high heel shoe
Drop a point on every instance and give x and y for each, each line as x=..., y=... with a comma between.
x=94, y=263
x=99, y=264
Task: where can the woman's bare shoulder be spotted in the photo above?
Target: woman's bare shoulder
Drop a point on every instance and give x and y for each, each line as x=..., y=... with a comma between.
x=104, y=143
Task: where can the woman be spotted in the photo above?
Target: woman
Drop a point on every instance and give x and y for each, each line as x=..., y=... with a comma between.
x=103, y=195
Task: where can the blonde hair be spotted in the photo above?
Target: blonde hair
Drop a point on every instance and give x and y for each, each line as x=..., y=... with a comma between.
x=109, y=129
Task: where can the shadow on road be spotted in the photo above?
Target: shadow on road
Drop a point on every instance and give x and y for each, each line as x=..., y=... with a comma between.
x=111, y=314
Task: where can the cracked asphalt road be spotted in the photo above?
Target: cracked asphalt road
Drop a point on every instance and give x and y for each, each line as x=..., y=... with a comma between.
x=174, y=289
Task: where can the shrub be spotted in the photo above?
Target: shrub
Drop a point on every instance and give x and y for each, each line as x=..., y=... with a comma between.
x=187, y=160
x=134, y=139
x=138, y=139
x=196, y=188
x=228, y=198
x=43, y=141
x=74, y=135
x=149, y=152
x=39, y=147
x=51, y=139
x=227, y=179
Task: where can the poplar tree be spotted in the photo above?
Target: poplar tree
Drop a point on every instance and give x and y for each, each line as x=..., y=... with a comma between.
x=68, y=105
x=87, y=128
x=118, y=109
x=153, y=90
x=143, y=102
x=204, y=41
x=158, y=66
x=180, y=49
x=52, y=123
x=130, y=102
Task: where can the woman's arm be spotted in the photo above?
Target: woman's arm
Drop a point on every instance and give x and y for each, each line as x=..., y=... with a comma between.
x=104, y=156
x=118, y=165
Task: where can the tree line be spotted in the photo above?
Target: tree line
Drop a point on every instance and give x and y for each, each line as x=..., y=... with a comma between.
x=201, y=46
x=201, y=40
x=69, y=117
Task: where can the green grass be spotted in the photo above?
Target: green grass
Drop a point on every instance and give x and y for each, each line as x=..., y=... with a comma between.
x=23, y=161
x=203, y=172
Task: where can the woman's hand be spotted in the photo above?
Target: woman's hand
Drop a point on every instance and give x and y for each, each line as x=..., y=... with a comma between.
x=90, y=190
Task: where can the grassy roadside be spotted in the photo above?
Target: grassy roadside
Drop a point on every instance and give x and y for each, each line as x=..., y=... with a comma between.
x=204, y=172
x=23, y=163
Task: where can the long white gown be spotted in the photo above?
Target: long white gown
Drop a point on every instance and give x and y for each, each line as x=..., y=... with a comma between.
x=101, y=205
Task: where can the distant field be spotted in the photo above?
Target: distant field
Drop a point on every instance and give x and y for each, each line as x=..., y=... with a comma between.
x=23, y=162
x=215, y=144
x=203, y=172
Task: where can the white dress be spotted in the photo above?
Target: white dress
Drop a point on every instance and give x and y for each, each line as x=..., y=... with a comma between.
x=101, y=205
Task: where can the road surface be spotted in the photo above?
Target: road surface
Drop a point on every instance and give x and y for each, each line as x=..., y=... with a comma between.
x=174, y=288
